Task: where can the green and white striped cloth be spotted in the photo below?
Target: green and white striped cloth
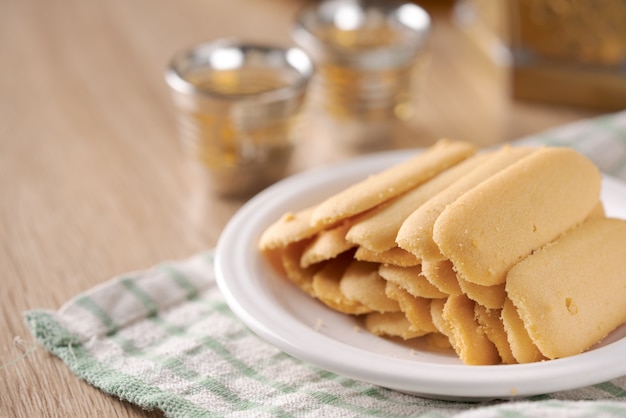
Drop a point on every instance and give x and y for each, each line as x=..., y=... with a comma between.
x=165, y=339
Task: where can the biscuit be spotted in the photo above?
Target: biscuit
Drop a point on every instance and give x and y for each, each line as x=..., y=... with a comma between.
x=416, y=233
x=491, y=323
x=572, y=293
x=470, y=342
x=436, y=341
x=523, y=348
x=289, y=228
x=417, y=310
x=442, y=325
x=325, y=286
x=395, y=256
x=441, y=275
x=503, y=219
x=392, y=182
x=411, y=280
x=376, y=230
x=327, y=244
x=491, y=297
x=390, y=324
x=362, y=283
x=274, y=257
x=597, y=212
x=301, y=277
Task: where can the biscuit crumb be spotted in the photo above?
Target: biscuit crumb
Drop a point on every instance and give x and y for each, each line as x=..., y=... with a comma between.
x=318, y=324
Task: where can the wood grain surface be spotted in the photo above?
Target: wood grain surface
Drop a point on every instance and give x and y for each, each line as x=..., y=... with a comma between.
x=92, y=180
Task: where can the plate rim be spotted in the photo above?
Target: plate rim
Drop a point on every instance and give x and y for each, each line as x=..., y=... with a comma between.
x=443, y=381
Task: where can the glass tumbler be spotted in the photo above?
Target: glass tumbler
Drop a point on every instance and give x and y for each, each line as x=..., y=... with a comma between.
x=369, y=59
x=236, y=105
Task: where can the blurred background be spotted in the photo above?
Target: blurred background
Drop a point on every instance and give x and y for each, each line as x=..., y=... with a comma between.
x=86, y=116
x=557, y=51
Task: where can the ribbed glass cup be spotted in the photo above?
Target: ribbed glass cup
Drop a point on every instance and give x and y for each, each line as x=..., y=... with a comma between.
x=237, y=104
x=369, y=58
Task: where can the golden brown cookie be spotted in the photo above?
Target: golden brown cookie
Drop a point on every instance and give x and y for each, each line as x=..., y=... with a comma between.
x=436, y=341
x=491, y=297
x=523, y=348
x=390, y=324
x=490, y=321
x=572, y=293
x=381, y=187
x=376, y=230
x=326, y=244
x=439, y=321
x=470, y=341
x=411, y=280
x=417, y=310
x=325, y=286
x=301, y=277
x=395, y=256
x=289, y=228
x=416, y=233
x=442, y=276
x=362, y=283
x=503, y=219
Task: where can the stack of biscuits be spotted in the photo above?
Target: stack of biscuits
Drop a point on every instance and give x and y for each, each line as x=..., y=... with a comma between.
x=506, y=256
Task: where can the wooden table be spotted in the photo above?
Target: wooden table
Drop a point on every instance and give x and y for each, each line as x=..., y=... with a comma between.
x=92, y=180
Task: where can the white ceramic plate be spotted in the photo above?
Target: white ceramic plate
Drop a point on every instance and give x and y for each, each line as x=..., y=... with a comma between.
x=286, y=317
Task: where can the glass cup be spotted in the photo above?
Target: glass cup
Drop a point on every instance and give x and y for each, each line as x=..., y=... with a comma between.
x=237, y=105
x=369, y=59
